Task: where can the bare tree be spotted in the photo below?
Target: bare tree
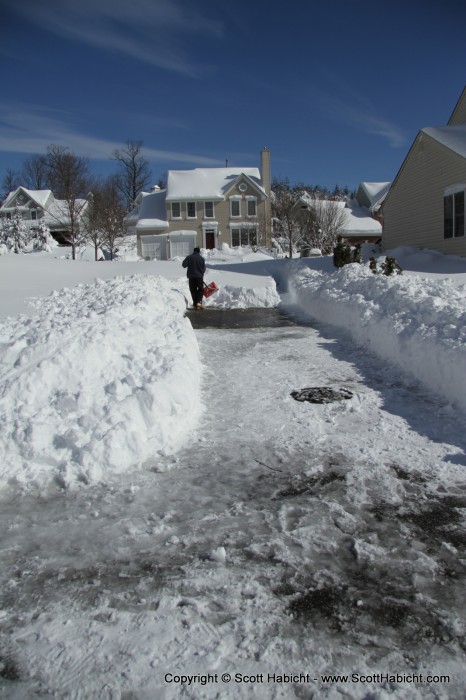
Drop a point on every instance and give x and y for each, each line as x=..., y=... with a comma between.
x=134, y=172
x=106, y=217
x=287, y=225
x=94, y=232
x=34, y=172
x=10, y=183
x=69, y=178
x=321, y=222
x=162, y=181
x=114, y=228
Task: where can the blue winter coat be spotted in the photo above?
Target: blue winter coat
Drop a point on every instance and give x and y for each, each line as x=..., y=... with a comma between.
x=195, y=264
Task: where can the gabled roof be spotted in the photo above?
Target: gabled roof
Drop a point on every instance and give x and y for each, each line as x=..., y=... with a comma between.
x=458, y=113
x=152, y=213
x=375, y=193
x=39, y=197
x=207, y=183
x=453, y=137
x=56, y=211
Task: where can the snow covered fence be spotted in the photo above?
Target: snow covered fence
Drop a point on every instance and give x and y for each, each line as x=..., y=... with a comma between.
x=104, y=377
x=414, y=323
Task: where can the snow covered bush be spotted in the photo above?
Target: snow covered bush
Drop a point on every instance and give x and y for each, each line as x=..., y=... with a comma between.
x=42, y=239
x=16, y=235
x=391, y=267
x=344, y=254
x=388, y=267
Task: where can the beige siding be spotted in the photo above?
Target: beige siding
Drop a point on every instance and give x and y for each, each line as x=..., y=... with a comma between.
x=413, y=210
x=221, y=216
x=459, y=113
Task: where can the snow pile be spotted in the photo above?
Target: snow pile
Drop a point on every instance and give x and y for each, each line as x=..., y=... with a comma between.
x=103, y=377
x=416, y=324
x=230, y=296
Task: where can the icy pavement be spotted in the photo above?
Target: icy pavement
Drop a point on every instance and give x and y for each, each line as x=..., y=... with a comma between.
x=289, y=538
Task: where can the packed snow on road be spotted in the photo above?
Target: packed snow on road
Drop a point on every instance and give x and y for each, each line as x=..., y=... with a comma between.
x=176, y=524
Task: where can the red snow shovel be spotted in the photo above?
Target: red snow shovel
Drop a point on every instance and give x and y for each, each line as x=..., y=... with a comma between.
x=209, y=289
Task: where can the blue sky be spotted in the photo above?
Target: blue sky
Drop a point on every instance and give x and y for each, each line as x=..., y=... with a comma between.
x=336, y=89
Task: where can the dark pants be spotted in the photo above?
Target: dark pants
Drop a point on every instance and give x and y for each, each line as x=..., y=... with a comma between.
x=196, y=287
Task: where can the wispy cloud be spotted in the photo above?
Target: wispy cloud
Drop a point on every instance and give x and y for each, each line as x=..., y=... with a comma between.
x=30, y=129
x=154, y=32
x=348, y=107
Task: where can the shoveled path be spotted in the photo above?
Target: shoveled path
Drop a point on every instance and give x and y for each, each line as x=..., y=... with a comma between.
x=287, y=538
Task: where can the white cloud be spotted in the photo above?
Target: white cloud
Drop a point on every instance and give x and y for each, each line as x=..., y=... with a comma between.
x=154, y=32
x=352, y=109
x=30, y=129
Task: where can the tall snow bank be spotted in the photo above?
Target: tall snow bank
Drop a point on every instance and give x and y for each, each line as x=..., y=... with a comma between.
x=233, y=296
x=417, y=324
x=103, y=377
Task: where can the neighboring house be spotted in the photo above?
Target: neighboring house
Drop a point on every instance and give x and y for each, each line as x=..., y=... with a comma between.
x=38, y=206
x=357, y=223
x=204, y=207
x=371, y=195
x=424, y=207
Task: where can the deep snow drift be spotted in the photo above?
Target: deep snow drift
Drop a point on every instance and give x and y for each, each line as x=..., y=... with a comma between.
x=103, y=376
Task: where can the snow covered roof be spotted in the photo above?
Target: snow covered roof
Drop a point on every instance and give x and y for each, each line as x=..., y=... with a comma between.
x=358, y=220
x=375, y=192
x=59, y=211
x=453, y=136
x=56, y=211
x=39, y=197
x=152, y=213
x=207, y=183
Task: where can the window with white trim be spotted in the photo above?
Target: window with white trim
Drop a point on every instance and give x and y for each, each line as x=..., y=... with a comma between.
x=453, y=215
x=235, y=208
x=209, y=210
x=191, y=210
x=251, y=206
x=176, y=210
x=244, y=236
x=33, y=214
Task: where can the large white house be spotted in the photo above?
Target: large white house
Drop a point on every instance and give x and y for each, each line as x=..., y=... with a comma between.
x=204, y=207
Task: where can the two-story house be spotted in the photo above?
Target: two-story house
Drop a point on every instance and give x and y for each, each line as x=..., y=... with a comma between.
x=204, y=207
x=36, y=206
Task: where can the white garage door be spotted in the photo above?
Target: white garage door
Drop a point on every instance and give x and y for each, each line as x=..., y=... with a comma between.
x=180, y=249
x=150, y=248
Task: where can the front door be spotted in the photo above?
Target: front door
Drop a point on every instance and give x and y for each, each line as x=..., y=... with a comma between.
x=210, y=239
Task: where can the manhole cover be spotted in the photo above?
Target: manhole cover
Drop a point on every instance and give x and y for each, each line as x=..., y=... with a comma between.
x=321, y=394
